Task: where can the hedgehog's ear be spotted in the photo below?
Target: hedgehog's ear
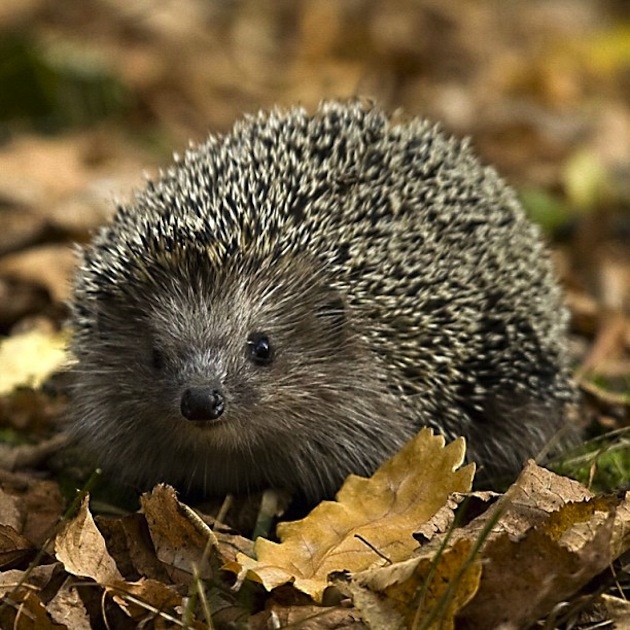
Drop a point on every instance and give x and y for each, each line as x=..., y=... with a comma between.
x=331, y=311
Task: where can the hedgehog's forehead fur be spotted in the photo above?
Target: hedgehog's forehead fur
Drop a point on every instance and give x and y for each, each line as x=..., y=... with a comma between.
x=184, y=294
x=331, y=187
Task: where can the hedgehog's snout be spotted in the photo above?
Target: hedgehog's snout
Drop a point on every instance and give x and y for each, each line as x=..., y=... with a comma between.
x=202, y=403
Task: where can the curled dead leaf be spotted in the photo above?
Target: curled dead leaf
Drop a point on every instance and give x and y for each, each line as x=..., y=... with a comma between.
x=178, y=534
x=81, y=548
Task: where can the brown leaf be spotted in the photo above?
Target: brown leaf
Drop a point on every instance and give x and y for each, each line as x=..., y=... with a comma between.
x=131, y=596
x=550, y=539
x=307, y=617
x=522, y=580
x=14, y=549
x=67, y=607
x=32, y=511
x=10, y=511
x=618, y=610
x=621, y=528
x=372, y=519
x=443, y=519
x=27, y=612
x=20, y=606
x=179, y=535
x=535, y=495
x=81, y=548
x=129, y=543
x=35, y=578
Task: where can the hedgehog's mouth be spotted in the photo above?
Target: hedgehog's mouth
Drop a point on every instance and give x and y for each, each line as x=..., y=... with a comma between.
x=207, y=425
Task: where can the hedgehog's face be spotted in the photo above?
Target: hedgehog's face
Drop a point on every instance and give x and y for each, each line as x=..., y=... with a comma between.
x=235, y=360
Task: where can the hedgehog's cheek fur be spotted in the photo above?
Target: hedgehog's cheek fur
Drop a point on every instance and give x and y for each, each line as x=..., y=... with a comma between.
x=145, y=439
x=247, y=450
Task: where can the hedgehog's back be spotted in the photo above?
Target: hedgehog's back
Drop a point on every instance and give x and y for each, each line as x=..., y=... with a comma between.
x=439, y=271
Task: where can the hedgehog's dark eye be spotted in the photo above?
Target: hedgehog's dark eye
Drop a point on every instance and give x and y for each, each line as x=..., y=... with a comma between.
x=157, y=359
x=259, y=349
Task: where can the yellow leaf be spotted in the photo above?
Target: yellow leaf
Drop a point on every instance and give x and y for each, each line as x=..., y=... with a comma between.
x=608, y=51
x=585, y=179
x=372, y=521
x=401, y=595
x=29, y=359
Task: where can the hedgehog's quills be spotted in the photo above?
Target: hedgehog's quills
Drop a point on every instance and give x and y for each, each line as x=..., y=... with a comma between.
x=290, y=302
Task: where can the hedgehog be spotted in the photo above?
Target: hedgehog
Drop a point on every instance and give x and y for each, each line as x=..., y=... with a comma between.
x=292, y=301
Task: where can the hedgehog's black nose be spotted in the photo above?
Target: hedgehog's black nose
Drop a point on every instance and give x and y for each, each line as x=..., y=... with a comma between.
x=202, y=403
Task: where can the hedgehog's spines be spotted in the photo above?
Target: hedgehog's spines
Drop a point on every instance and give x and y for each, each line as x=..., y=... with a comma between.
x=450, y=312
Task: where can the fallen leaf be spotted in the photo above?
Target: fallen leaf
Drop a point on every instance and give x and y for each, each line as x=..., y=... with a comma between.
x=307, y=617
x=10, y=510
x=522, y=580
x=407, y=593
x=129, y=543
x=618, y=609
x=371, y=522
x=156, y=596
x=443, y=519
x=28, y=359
x=81, y=548
x=67, y=607
x=14, y=549
x=550, y=536
x=31, y=513
x=20, y=606
x=528, y=502
x=27, y=612
x=178, y=534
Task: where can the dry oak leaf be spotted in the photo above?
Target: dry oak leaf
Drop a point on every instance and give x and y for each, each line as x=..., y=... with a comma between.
x=442, y=520
x=81, y=548
x=535, y=558
x=370, y=523
x=528, y=502
x=523, y=580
